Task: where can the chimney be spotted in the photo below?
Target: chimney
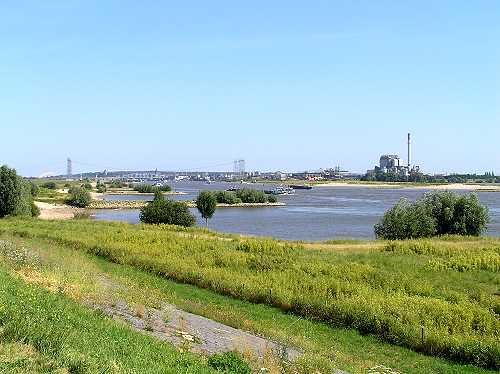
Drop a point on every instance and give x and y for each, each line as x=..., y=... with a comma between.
x=409, y=152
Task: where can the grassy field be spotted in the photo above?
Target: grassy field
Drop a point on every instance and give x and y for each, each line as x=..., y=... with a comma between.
x=434, y=296
x=45, y=332
x=79, y=275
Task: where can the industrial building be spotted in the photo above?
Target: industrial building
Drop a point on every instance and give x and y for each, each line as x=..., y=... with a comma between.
x=394, y=165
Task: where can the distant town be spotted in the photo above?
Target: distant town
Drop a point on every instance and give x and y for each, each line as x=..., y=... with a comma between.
x=390, y=168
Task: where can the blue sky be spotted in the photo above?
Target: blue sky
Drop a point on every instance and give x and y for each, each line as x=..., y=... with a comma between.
x=288, y=85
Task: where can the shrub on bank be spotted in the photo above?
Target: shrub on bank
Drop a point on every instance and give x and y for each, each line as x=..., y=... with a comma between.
x=245, y=195
x=50, y=185
x=437, y=213
x=165, y=211
x=78, y=197
x=148, y=188
x=16, y=197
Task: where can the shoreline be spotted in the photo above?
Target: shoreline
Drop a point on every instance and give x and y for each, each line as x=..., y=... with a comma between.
x=135, y=204
x=450, y=187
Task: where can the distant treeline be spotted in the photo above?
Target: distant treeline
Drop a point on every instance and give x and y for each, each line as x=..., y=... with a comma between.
x=379, y=176
x=148, y=188
x=244, y=195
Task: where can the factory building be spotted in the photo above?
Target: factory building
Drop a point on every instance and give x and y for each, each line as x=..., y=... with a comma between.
x=394, y=165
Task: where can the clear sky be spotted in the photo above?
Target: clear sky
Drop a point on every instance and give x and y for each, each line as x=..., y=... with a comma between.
x=288, y=85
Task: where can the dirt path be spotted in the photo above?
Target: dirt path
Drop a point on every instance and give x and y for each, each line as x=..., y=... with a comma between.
x=197, y=334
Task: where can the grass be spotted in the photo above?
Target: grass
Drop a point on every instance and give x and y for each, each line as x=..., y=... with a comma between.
x=388, y=292
x=80, y=276
x=53, y=332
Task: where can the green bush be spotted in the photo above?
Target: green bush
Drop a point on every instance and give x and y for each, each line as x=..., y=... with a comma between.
x=15, y=194
x=34, y=189
x=230, y=363
x=78, y=197
x=87, y=186
x=50, y=185
x=437, y=213
x=148, y=188
x=35, y=211
x=165, y=211
x=206, y=204
x=227, y=197
x=272, y=199
x=248, y=195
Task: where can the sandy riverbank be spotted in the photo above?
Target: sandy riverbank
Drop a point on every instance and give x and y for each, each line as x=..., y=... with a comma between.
x=451, y=186
x=56, y=211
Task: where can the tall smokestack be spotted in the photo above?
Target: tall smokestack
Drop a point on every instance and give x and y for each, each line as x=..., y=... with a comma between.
x=409, y=151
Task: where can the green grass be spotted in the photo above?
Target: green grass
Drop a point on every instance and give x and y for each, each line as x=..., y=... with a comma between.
x=79, y=276
x=388, y=293
x=62, y=334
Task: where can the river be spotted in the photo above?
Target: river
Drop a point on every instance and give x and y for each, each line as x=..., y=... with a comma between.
x=319, y=214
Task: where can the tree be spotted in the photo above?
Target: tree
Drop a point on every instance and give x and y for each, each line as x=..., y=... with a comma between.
x=206, y=204
x=34, y=189
x=50, y=185
x=165, y=211
x=15, y=194
x=10, y=191
x=78, y=197
x=437, y=213
x=406, y=220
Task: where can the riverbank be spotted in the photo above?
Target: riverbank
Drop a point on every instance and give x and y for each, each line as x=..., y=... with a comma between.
x=135, y=204
x=424, y=186
x=356, y=283
x=56, y=211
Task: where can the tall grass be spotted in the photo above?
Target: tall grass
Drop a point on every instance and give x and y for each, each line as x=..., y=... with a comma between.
x=392, y=293
x=80, y=340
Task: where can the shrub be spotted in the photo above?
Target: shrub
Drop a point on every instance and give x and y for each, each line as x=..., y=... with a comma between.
x=10, y=191
x=87, y=186
x=437, y=213
x=405, y=221
x=272, y=199
x=248, y=195
x=50, y=185
x=15, y=194
x=165, y=211
x=35, y=211
x=148, y=188
x=101, y=187
x=206, y=204
x=227, y=197
x=229, y=362
x=78, y=197
x=34, y=189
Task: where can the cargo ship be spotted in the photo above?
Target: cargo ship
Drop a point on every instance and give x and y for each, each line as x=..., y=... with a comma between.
x=300, y=187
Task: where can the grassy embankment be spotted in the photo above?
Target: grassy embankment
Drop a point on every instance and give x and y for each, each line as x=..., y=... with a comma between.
x=446, y=286
x=42, y=332
x=93, y=280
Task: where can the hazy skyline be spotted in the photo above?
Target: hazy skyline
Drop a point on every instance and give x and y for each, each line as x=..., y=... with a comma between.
x=284, y=85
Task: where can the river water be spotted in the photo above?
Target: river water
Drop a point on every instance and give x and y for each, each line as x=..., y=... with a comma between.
x=318, y=214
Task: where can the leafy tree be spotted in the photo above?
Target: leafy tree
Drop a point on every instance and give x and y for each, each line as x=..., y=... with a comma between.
x=272, y=199
x=206, y=204
x=227, y=197
x=101, y=187
x=34, y=189
x=165, y=211
x=78, y=197
x=10, y=191
x=437, y=213
x=406, y=221
x=15, y=194
x=87, y=186
x=50, y=185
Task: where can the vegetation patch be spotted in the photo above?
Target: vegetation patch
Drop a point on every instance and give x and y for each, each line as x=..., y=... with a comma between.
x=385, y=293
